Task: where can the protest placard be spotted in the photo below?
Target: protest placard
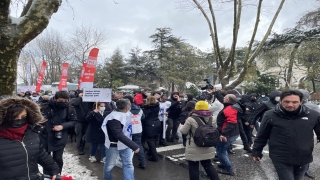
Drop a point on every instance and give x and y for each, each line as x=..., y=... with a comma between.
x=96, y=95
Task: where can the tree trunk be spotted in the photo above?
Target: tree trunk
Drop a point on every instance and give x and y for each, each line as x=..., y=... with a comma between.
x=291, y=61
x=8, y=71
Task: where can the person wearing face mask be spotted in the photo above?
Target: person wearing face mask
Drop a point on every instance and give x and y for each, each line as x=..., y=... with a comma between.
x=118, y=133
x=20, y=147
x=61, y=118
x=263, y=107
x=263, y=97
x=94, y=134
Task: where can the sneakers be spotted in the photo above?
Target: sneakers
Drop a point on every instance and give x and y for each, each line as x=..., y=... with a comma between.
x=103, y=160
x=223, y=171
x=92, y=159
x=163, y=142
x=142, y=166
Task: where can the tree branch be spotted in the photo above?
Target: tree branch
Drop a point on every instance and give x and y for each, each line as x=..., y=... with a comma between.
x=214, y=36
x=253, y=56
x=236, y=26
x=26, y=8
x=36, y=19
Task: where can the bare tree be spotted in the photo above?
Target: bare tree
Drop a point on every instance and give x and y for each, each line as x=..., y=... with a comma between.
x=15, y=33
x=226, y=66
x=51, y=47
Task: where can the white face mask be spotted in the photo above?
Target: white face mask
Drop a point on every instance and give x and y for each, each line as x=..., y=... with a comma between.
x=277, y=98
x=263, y=95
x=102, y=108
x=148, y=94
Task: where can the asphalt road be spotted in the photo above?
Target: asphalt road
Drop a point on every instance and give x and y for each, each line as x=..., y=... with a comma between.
x=172, y=165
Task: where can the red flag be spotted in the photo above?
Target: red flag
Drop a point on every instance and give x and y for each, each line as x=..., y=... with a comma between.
x=81, y=74
x=90, y=69
x=63, y=77
x=41, y=76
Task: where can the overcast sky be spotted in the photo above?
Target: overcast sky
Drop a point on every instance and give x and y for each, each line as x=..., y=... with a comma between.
x=129, y=23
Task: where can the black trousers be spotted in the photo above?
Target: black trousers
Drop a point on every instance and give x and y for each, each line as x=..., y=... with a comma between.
x=290, y=172
x=152, y=148
x=173, y=125
x=208, y=167
x=80, y=130
x=57, y=156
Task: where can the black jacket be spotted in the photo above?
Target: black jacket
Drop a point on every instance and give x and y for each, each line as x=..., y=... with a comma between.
x=258, y=112
x=114, y=128
x=227, y=120
x=19, y=160
x=291, y=138
x=58, y=116
x=175, y=109
x=94, y=132
x=82, y=108
x=151, y=124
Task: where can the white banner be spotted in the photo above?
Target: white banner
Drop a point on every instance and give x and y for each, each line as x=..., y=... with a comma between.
x=96, y=95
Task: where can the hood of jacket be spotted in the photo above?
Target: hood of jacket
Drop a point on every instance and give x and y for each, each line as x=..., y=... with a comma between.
x=203, y=113
x=274, y=94
x=306, y=95
x=10, y=102
x=135, y=109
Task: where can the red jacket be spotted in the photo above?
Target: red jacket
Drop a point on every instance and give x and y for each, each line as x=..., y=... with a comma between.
x=227, y=121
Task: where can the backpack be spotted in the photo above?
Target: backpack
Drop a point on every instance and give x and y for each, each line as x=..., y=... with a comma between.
x=205, y=135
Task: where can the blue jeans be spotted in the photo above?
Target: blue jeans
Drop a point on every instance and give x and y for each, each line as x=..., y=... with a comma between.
x=126, y=159
x=222, y=153
x=94, y=147
x=141, y=156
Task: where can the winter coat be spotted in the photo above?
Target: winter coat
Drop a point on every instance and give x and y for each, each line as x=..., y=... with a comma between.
x=94, y=132
x=193, y=152
x=151, y=124
x=290, y=138
x=216, y=107
x=82, y=109
x=227, y=121
x=58, y=116
x=20, y=159
x=136, y=121
x=174, y=110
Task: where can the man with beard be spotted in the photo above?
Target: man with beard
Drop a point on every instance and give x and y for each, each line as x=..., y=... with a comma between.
x=61, y=117
x=174, y=112
x=290, y=145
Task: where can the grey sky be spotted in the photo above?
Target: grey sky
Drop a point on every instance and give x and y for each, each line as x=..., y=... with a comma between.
x=130, y=23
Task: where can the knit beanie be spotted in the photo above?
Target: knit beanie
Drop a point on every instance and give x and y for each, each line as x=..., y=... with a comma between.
x=202, y=106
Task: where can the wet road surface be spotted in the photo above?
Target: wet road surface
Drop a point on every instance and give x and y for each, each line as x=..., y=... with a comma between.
x=172, y=165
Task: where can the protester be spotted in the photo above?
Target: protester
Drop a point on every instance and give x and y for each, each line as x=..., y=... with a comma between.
x=163, y=116
x=193, y=153
x=61, y=118
x=19, y=141
x=140, y=97
x=263, y=97
x=227, y=122
x=135, y=115
x=184, y=115
x=34, y=97
x=117, y=130
x=82, y=109
x=151, y=126
x=290, y=146
x=308, y=104
x=174, y=112
x=94, y=134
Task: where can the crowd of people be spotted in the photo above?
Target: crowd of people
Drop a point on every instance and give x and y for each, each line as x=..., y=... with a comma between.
x=144, y=120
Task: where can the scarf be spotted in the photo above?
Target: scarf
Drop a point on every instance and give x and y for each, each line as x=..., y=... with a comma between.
x=14, y=133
